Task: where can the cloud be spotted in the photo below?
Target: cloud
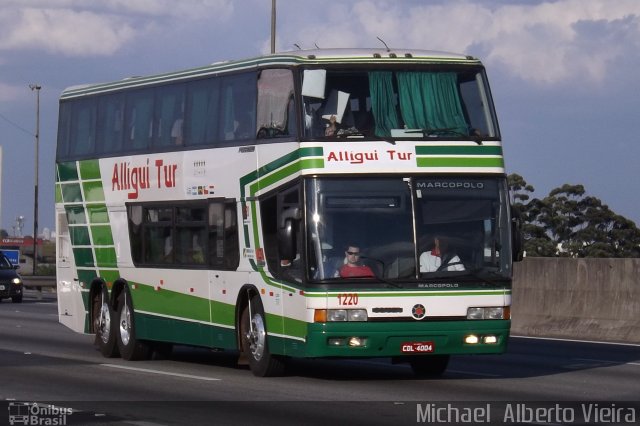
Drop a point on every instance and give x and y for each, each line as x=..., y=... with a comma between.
x=543, y=42
x=75, y=28
x=9, y=92
x=68, y=32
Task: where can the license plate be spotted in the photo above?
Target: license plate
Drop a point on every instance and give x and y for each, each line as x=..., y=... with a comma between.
x=1, y=287
x=418, y=347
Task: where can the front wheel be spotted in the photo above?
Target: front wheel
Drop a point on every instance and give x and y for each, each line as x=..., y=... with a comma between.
x=255, y=347
x=16, y=299
x=129, y=346
x=429, y=365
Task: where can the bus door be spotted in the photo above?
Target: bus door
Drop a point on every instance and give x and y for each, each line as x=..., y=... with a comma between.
x=71, y=309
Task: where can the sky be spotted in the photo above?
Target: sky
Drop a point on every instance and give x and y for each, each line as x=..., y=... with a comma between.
x=563, y=73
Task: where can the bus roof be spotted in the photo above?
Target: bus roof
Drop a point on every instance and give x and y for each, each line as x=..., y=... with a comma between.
x=298, y=57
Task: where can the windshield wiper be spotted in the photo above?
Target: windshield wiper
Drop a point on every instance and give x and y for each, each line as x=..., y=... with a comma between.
x=381, y=277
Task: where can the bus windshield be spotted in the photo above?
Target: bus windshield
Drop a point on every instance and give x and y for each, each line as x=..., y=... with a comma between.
x=407, y=229
x=450, y=103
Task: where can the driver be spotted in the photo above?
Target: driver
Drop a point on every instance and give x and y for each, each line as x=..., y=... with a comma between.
x=353, y=268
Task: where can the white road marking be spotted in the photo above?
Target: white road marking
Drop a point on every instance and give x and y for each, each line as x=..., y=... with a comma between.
x=164, y=373
x=576, y=341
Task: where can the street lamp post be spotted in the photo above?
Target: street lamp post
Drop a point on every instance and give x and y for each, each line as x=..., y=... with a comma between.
x=273, y=26
x=37, y=88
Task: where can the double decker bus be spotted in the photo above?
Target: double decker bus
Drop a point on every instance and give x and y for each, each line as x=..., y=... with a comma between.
x=227, y=206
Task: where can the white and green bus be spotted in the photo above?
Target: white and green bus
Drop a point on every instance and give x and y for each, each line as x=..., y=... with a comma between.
x=326, y=203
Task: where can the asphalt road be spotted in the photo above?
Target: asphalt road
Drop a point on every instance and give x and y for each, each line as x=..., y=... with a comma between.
x=42, y=361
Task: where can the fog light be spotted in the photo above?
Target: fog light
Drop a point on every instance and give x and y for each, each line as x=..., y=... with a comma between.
x=356, y=341
x=491, y=340
x=471, y=339
x=336, y=341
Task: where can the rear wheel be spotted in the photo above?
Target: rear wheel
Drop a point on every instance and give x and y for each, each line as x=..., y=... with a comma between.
x=129, y=346
x=104, y=325
x=429, y=365
x=255, y=347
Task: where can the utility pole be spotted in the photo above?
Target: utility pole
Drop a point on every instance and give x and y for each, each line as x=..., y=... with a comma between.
x=37, y=88
x=273, y=26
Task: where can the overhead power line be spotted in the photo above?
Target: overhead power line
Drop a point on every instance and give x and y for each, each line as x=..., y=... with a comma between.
x=17, y=126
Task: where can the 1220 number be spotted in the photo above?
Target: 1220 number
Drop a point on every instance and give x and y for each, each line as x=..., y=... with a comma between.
x=348, y=299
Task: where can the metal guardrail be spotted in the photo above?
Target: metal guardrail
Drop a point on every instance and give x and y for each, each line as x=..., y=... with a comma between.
x=31, y=281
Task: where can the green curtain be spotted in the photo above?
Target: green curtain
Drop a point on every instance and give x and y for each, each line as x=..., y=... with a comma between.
x=430, y=100
x=383, y=102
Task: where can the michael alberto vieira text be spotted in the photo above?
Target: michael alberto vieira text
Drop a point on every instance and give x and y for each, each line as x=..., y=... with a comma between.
x=586, y=412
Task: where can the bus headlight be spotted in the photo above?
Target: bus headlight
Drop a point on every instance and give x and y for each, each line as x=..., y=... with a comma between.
x=340, y=315
x=489, y=313
x=17, y=281
x=357, y=314
x=336, y=315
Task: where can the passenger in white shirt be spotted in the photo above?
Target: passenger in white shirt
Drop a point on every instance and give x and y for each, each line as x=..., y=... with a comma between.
x=440, y=258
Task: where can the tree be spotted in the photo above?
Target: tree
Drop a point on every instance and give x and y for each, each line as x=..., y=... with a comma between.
x=536, y=241
x=570, y=223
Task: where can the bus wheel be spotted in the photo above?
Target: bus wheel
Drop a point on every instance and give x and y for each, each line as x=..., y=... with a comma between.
x=104, y=326
x=129, y=346
x=254, y=341
x=429, y=365
x=16, y=299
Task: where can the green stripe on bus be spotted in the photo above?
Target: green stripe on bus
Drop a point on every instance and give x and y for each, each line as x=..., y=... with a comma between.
x=90, y=169
x=102, y=235
x=459, y=150
x=170, y=303
x=311, y=163
x=499, y=292
x=93, y=191
x=459, y=162
x=67, y=171
x=280, y=162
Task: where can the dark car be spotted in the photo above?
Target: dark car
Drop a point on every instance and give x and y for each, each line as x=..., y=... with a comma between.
x=10, y=281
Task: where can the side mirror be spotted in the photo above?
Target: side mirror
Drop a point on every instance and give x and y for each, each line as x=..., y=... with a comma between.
x=516, y=234
x=287, y=233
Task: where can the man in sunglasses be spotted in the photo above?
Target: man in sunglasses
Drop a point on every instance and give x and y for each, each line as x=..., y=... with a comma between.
x=353, y=268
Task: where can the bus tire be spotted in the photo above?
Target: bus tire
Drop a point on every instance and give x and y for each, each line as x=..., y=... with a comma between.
x=429, y=365
x=131, y=349
x=254, y=342
x=16, y=299
x=104, y=325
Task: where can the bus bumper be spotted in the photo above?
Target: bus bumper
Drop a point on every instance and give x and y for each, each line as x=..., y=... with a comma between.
x=352, y=339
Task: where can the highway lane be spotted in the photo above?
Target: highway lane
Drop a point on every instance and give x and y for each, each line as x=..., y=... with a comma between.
x=41, y=360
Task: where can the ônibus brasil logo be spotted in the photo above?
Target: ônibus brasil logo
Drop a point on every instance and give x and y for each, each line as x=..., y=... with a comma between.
x=33, y=413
